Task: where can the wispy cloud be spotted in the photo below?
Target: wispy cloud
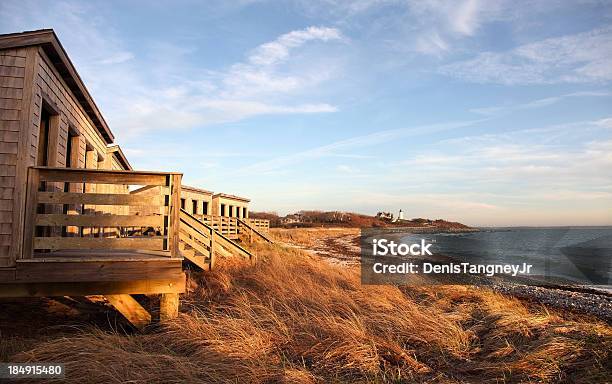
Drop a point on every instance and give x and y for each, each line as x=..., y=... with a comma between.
x=429, y=27
x=278, y=50
x=119, y=57
x=578, y=58
x=539, y=103
x=236, y=93
x=525, y=158
x=431, y=43
x=353, y=143
x=460, y=17
x=440, y=24
x=266, y=71
x=137, y=95
x=606, y=123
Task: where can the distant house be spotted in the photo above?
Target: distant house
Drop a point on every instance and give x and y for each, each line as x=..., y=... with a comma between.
x=296, y=218
x=230, y=206
x=196, y=201
x=384, y=216
x=219, y=210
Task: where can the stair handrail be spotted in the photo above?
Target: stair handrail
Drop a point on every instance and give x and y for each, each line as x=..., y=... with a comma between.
x=240, y=221
x=219, y=234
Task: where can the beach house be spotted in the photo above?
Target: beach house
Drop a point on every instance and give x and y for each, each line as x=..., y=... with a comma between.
x=69, y=224
x=224, y=212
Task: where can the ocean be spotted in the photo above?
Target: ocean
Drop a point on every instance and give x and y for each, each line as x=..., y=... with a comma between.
x=573, y=255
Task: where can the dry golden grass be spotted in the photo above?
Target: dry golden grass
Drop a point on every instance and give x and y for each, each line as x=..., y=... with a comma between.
x=294, y=319
x=308, y=237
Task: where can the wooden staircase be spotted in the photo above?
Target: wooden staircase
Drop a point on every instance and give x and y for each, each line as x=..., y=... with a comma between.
x=200, y=243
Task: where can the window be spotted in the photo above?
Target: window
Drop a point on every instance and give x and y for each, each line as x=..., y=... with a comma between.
x=205, y=207
x=182, y=203
x=48, y=134
x=231, y=209
x=195, y=206
x=222, y=209
x=43, y=138
x=48, y=126
x=72, y=149
x=244, y=212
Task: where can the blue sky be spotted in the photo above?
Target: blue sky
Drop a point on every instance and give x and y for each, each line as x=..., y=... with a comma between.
x=485, y=112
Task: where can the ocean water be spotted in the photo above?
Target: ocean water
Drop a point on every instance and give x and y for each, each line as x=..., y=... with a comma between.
x=581, y=255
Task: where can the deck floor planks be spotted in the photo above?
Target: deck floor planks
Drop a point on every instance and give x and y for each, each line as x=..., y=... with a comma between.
x=92, y=265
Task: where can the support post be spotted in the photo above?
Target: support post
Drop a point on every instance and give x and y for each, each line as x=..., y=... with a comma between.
x=131, y=309
x=168, y=306
x=29, y=227
x=175, y=218
x=212, y=249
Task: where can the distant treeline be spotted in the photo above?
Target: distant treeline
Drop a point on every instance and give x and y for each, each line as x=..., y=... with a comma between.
x=304, y=219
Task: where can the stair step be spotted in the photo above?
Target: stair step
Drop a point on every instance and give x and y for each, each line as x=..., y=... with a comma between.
x=200, y=261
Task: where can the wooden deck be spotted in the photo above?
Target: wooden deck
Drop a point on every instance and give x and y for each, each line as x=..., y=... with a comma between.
x=76, y=228
x=91, y=243
x=77, y=244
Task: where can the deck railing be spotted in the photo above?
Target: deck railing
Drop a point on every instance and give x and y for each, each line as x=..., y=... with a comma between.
x=259, y=224
x=85, y=209
x=229, y=226
x=201, y=242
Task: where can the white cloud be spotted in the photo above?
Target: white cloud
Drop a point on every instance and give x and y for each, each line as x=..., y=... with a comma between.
x=461, y=17
x=119, y=57
x=578, y=58
x=263, y=72
x=176, y=114
x=439, y=24
x=279, y=49
x=465, y=18
x=250, y=108
x=607, y=123
x=431, y=44
x=236, y=93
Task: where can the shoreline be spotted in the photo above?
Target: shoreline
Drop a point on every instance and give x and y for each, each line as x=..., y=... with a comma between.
x=343, y=249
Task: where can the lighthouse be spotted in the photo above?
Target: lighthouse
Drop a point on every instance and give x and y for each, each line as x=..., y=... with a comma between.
x=400, y=216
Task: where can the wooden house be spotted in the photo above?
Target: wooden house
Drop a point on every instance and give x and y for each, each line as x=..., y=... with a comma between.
x=230, y=206
x=196, y=201
x=223, y=212
x=64, y=192
x=70, y=224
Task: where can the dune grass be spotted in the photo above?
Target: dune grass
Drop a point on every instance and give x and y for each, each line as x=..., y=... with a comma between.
x=308, y=237
x=292, y=318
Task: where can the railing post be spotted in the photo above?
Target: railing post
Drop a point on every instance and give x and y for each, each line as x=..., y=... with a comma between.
x=175, y=219
x=29, y=223
x=212, y=248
